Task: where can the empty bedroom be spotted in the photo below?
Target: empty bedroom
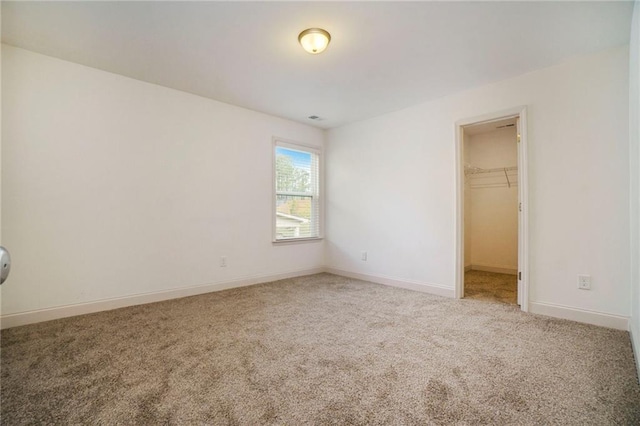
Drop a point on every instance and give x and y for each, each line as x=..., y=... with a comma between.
x=248, y=213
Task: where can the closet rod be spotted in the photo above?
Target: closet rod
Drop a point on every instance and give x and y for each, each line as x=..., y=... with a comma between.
x=477, y=170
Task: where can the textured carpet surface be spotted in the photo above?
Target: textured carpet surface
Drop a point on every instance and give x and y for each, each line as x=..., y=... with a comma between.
x=317, y=350
x=491, y=286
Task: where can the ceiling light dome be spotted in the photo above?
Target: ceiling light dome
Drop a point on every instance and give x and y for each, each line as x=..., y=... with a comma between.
x=314, y=40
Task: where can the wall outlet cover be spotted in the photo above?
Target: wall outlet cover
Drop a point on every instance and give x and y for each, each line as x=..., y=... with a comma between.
x=584, y=282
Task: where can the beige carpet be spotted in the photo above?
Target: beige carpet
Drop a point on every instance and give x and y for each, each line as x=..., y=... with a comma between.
x=317, y=350
x=491, y=286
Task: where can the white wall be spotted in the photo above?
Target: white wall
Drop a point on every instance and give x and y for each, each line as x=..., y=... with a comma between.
x=114, y=187
x=95, y=164
x=494, y=214
x=1, y=241
x=634, y=164
x=391, y=184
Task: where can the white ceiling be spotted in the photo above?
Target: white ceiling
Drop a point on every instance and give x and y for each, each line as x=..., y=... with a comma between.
x=383, y=56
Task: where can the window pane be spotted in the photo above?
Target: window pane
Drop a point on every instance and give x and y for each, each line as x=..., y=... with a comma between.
x=293, y=171
x=294, y=217
x=297, y=189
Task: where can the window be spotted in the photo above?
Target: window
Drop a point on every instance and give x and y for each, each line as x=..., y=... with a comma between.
x=297, y=192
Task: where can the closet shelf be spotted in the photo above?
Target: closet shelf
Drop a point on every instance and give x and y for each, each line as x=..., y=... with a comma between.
x=490, y=176
x=472, y=170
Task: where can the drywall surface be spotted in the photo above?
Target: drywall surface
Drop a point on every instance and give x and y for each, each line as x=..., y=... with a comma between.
x=0, y=172
x=494, y=209
x=391, y=184
x=634, y=164
x=114, y=187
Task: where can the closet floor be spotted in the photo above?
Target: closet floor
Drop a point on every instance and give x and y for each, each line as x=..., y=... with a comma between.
x=490, y=286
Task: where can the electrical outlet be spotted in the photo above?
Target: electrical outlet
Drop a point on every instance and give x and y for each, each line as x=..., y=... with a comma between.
x=223, y=262
x=364, y=256
x=584, y=282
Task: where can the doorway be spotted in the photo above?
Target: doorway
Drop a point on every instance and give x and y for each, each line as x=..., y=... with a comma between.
x=491, y=210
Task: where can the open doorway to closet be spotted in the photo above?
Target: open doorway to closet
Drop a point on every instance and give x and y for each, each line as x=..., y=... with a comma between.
x=491, y=212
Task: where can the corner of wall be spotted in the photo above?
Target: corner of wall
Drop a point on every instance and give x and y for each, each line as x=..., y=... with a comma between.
x=634, y=184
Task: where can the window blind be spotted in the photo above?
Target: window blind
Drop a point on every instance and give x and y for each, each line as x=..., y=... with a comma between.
x=297, y=189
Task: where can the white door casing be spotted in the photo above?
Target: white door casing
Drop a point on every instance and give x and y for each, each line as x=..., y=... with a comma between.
x=520, y=113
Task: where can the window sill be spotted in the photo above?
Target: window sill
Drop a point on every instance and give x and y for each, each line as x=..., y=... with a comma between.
x=296, y=241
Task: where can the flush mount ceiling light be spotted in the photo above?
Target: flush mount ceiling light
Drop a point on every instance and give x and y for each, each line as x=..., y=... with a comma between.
x=314, y=40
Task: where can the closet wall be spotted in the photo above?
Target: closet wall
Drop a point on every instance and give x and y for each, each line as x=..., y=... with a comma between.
x=491, y=201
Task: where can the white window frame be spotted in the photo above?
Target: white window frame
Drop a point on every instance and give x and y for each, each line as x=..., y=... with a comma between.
x=317, y=196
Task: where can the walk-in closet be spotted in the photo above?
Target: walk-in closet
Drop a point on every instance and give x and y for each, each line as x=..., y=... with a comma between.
x=491, y=211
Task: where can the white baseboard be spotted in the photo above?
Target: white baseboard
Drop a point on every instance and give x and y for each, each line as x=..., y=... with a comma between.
x=410, y=285
x=558, y=311
x=30, y=317
x=602, y=319
x=496, y=269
